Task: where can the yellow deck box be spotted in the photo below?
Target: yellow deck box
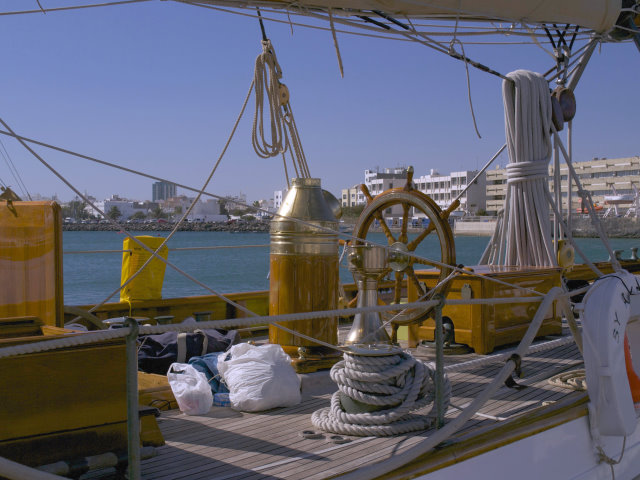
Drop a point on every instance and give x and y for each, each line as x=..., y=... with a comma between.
x=484, y=327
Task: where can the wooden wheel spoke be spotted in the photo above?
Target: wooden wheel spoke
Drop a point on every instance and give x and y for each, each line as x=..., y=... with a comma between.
x=410, y=199
x=405, y=223
x=425, y=261
x=414, y=278
x=385, y=228
x=416, y=241
x=397, y=291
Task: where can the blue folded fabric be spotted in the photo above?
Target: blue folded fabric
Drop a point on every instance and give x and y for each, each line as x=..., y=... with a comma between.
x=208, y=364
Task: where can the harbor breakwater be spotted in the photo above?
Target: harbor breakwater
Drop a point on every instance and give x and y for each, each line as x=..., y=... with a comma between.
x=581, y=227
x=619, y=227
x=236, y=226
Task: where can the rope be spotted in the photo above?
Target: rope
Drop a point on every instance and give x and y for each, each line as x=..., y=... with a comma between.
x=267, y=75
x=284, y=134
x=395, y=386
x=491, y=359
x=378, y=469
x=335, y=42
x=574, y=380
x=525, y=231
x=175, y=249
x=219, y=197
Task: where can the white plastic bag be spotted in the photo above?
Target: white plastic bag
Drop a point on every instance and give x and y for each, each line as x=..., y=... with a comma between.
x=191, y=389
x=259, y=377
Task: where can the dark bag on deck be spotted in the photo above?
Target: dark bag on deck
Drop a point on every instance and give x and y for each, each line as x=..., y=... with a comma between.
x=158, y=352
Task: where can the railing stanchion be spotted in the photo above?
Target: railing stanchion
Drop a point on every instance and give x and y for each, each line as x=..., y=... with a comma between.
x=133, y=421
x=438, y=338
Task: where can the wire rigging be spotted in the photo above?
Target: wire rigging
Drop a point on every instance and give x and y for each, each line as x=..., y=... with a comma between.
x=14, y=171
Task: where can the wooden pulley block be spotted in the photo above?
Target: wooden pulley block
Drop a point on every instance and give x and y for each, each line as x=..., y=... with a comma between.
x=284, y=94
x=567, y=101
x=557, y=116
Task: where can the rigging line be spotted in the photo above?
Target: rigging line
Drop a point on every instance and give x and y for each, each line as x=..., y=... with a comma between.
x=14, y=171
x=135, y=172
x=264, y=33
x=535, y=40
x=576, y=56
x=193, y=204
x=40, y=5
x=174, y=249
x=75, y=7
x=335, y=43
x=25, y=139
x=22, y=185
x=199, y=195
x=573, y=38
x=152, y=252
x=12, y=174
x=303, y=25
x=466, y=68
x=390, y=35
x=561, y=34
x=439, y=47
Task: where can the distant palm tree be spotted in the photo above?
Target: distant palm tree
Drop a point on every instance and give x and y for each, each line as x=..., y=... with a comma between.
x=114, y=213
x=157, y=213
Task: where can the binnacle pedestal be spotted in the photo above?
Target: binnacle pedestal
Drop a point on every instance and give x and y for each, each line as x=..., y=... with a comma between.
x=304, y=274
x=368, y=264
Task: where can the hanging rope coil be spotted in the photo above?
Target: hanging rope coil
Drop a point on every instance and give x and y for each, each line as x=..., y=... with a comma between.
x=524, y=237
x=526, y=171
x=267, y=75
x=395, y=387
x=283, y=132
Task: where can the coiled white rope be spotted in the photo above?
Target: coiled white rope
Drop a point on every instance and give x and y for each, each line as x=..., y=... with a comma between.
x=400, y=384
x=525, y=232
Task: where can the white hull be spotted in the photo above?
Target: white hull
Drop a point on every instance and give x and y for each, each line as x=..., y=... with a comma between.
x=618, y=199
x=563, y=452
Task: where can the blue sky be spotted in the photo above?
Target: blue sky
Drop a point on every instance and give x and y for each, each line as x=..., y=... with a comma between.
x=158, y=86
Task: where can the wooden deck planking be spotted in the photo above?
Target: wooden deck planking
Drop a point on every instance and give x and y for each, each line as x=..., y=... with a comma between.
x=269, y=444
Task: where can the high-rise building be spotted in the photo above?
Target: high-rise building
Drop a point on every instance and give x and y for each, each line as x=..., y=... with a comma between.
x=163, y=191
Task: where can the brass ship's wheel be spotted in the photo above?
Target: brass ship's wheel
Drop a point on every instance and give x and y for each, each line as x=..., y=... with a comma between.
x=410, y=198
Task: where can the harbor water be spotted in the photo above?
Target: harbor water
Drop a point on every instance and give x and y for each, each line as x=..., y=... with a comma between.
x=90, y=278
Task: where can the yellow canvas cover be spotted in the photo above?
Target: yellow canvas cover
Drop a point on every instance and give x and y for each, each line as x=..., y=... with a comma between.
x=31, y=261
x=148, y=284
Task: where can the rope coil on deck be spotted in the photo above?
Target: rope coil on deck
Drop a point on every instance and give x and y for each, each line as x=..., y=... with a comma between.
x=395, y=387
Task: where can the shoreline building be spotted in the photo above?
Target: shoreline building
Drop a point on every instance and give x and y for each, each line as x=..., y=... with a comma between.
x=598, y=176
x=127, y=208
x=443, y=189
x=278, y=197
x=376, y=182
x=163, y=191
x=352, y=196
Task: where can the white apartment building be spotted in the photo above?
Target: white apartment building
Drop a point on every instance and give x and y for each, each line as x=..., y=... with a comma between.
x=441, y=188
x=278, y=197
x=598, y=176
x=208, y=211
x=445, y=188
x=377, y=182
x=127, y=208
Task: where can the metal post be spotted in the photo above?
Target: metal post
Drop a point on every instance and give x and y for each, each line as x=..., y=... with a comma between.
x=438, y=338
x=569, y=179
x=133, y=421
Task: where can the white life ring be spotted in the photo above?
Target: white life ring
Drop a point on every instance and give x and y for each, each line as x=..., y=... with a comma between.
x=606, y=310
